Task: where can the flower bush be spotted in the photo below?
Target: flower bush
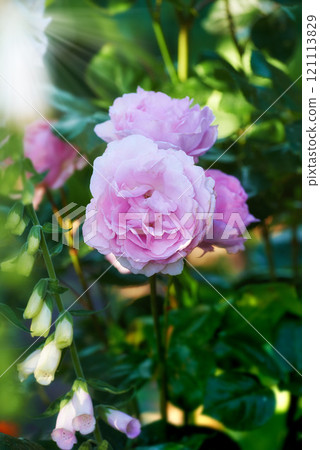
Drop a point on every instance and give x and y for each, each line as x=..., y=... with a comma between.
x=126, y=329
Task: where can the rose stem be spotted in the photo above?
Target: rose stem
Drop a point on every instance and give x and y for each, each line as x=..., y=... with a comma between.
x=52, y=274
x=160, y=349
x=183, y=51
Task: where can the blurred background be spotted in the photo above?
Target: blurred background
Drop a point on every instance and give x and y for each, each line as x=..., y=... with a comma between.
x=228, y=388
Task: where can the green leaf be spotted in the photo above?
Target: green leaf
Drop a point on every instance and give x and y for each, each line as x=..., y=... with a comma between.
x=86, y=312
x=275, y=33
x=56, y=249
x=54, y=406
x=9, y=314
x=9, y=443
x=262, y=305
x=100, y=385
x=186, y=288
x=49, y=228
x=188, y=370
x=259, y=65
x=289, y=342
x=252, y=355
x=239, y=401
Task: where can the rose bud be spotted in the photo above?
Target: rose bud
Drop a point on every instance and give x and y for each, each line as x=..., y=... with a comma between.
x=48, y=362
x=64, y=433
x=41, y=323
x=35, y=302
x=64, y=331
x=84, y=420
x=27, y=367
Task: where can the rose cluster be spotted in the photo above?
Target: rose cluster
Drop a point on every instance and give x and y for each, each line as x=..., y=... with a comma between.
x=151, y=204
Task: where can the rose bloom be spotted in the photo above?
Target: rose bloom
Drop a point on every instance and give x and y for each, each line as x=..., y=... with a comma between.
x=229, y=230
x=148, y=206
x=49, y=153
x=169, y=122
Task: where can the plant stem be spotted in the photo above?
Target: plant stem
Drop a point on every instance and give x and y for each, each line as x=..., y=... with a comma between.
x=232, y=29
x=160, y=349
x=52, y=274
x=73, y=252
x=268, y=248
x=183, y=52
x=164, y=51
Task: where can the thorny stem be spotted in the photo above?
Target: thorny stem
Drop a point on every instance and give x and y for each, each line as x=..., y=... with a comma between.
x=160, y=349
x=52, y=274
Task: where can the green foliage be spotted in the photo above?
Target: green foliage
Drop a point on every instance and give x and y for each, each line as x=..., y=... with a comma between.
x=239, y=401
x=229, y=356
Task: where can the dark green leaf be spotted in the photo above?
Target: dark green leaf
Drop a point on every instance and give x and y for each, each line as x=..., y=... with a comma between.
x=10, y=443
x=10, y=315
x=86, y=312
x=100, y=385
x=239, y=401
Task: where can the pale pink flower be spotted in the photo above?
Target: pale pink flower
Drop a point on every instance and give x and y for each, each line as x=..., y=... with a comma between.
x=64, y=432
x=49, y=153
x=231, y=203
x=169, y=122
x=84, y=420
x=149, y=206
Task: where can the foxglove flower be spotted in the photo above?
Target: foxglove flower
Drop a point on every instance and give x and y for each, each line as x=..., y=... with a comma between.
x=64, y=432
x=48, y=362
x=229, y=230
x=123, y=422
x=64, y=331
x=35, y=302
x=28, y=366
x=41, y=323
x=49, y=153
x=84, y=420
x=169, y=122
x=150, y=206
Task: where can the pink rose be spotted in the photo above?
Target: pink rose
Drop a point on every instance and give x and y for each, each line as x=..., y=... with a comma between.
x=231, y=215
x=149, y=206
x=169, y=122
x=49, y=153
